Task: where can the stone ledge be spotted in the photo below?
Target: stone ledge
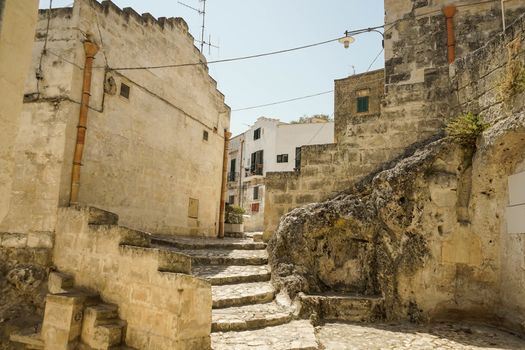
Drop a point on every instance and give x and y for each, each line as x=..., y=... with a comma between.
x=35, y=240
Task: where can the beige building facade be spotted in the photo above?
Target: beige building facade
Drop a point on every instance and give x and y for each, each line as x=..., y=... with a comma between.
x=154, y=144
x=17, y=26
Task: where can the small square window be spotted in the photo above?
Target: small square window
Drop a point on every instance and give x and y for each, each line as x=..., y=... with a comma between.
x=255, y=207
x=362, y=104
x=282, y=158
x=205, y=135
x=124, y=90
x=193, y=208
x=257, y=134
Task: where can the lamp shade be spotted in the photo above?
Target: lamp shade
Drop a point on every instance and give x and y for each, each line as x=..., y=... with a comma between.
x=346, y=41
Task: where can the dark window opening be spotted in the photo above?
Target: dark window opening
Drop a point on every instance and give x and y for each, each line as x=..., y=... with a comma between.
x=205, y=135
x=256, y=193
x=362, y=104
x=257, y=134
x=282, y=158
x=298, y=158
x=255, y=207
x=124, y=90
x=231, y=200
x=256, y=163
x=233, y=166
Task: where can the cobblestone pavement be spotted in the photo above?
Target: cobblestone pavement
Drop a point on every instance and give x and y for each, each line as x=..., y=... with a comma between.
x=443, y=336
x=290, y=336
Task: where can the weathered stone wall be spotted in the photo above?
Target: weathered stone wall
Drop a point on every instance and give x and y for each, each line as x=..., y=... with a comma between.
x=163, y=308
x=478, y=79
x=17, y=28
x=351, y=125
x=24, y=259
x=145, y=156
x=417, y=99
x=428, y=235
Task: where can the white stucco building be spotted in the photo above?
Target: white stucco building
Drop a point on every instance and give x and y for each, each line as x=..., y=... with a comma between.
x=268, y=146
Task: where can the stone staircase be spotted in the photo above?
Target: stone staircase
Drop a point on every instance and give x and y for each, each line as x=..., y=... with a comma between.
x=246, y=313
x=77, y=318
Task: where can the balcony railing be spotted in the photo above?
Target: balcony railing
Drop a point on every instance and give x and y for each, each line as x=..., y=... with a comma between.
x=232, y=177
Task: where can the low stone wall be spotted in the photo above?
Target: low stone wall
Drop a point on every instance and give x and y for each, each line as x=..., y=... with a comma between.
x=163, y=307
x=428, y=235
x=326, y=170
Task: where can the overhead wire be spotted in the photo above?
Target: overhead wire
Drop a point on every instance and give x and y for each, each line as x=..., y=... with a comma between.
x=242, y=58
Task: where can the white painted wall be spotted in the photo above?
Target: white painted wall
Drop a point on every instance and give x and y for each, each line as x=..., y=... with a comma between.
x=276, y=138
x=516, y=208
x=290, y=136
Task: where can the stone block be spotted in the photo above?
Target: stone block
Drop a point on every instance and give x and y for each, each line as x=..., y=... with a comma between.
x=59, y=282
x=305, y=199
x=62, y=320
x=14, y=240
x=40, y=240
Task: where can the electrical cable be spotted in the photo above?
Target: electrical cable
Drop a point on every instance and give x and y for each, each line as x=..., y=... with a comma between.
x=353, y=32
x=309, y=96
x=283, y=101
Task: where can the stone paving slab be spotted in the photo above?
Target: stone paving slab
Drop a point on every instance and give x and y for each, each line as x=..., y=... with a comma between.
x=443, y=336
x=221, y=274
x=249, y=317
x=241, y=294
x=296, y=335
x=184, y=242
x=222, y=256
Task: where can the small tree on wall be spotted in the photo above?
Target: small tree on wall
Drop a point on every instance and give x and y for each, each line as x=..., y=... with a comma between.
x=466, y=128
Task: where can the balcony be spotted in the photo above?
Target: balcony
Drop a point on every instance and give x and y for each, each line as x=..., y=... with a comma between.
x=232, y=177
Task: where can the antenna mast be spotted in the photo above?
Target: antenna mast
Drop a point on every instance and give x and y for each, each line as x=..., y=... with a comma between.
x=202, y=13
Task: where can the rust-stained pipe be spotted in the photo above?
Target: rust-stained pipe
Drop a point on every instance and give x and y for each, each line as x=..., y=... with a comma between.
x=90, y=49
x=227, y=136
x=449, y=11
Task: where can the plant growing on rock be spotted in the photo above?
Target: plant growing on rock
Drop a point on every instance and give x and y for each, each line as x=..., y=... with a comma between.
x=513, y=82
x=466, y=128
x=234, y=214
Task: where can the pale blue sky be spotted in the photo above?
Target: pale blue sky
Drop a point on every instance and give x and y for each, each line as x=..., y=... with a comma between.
x=246, y=27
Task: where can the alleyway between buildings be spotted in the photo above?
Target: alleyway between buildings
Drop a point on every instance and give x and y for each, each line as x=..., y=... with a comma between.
x=249, y=315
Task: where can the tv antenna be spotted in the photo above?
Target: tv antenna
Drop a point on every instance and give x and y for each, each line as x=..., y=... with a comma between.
x=202, y=13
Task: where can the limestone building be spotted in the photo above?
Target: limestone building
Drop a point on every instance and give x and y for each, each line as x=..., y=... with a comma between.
x=436, y=230
x=268, y=146
x=151, y=143
x=154, y=139
x=413, y=108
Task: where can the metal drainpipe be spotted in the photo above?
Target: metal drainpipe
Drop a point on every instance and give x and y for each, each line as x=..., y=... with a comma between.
x=90, y=49
x=449, y=11
x=241, y=168
x=227, y=136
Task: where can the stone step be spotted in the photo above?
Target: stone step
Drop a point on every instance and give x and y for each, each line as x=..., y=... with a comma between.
x=193, y=243
x=249, y=317
x=29, y=339
x=232, y=274
x=348, y=308
x=234, y=234
x=223, y=256
x=256, y=236
x=241, y=294
x=101, y=328
x=101, y=312
x=296, y=335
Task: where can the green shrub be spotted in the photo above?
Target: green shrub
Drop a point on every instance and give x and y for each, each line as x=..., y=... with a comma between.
x=234, y=214
x=466, y=128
